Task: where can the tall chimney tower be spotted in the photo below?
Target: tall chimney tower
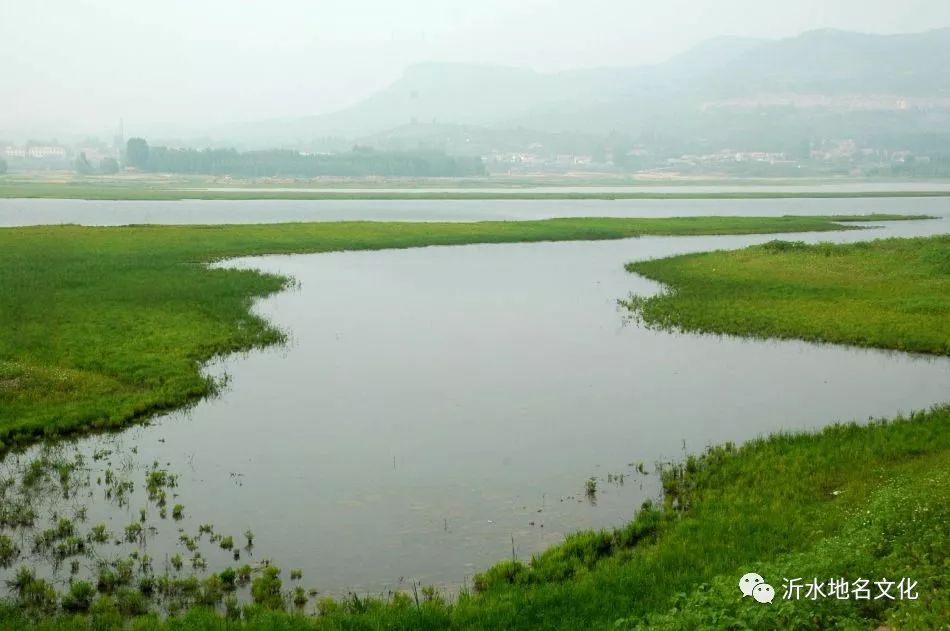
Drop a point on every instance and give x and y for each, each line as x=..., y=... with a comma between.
x=118, y=141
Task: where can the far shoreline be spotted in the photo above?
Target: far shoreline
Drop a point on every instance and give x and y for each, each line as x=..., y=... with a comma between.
x=134, y=186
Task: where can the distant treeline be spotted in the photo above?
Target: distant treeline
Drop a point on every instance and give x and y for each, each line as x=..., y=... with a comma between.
x=927, y=166
x=280, y=162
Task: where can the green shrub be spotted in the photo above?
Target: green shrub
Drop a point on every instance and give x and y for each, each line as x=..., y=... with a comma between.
x=79, y=597
x=265, y=589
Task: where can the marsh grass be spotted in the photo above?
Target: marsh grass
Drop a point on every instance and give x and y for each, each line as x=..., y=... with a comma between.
x=890, y=293
x=53, y=483
x=101, y=326
x=590, y=488
x=851, y=500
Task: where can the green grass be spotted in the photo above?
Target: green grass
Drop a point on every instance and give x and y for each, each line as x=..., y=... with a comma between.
x=850, y=501
x=158, y=190
x=891, y=293
x=105, y=325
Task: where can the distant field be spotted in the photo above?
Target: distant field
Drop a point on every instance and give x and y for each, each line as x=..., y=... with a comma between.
x=179, y=189
x=515, y=181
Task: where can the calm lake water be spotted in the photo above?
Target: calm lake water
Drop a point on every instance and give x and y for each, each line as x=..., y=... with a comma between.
x=24, y=212
x=435, y=404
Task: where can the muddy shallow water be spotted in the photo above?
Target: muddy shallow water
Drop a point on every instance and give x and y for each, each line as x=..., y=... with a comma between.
x=434, y=404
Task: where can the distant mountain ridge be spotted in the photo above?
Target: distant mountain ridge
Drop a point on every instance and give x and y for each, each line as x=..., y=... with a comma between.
x=835, y=62
x=664, y=97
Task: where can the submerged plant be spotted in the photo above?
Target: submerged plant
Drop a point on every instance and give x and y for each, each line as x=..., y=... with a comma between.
x=590, y=487
x=212, y=591
x=32, y=593
x=190, y=543
x=134, y=533
x=131, y=602
x=8, y=551
x=228, y=578
x=79, y=597
x=157, y=480
x=98, y=534
x=265, y=589
x=244, y=574
x=35, y=472
x=17, y=513
x=198, y=562
x=232, y=608
x=300, y=597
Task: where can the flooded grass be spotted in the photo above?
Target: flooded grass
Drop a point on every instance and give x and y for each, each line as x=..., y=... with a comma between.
x=105, y=325
x=850, y=500
x=52, y=560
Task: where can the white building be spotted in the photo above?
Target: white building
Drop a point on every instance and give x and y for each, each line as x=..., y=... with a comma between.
x=46, y=151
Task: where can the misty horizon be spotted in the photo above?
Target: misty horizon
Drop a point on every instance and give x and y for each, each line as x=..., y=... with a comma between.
x=166, y=72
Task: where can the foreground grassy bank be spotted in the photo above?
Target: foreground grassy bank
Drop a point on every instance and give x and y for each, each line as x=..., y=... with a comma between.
x=849, y=502
x=892, y=293
x=159, y=191
x=104, y=325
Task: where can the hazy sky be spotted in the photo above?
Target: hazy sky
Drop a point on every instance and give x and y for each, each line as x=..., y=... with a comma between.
x=78, y=65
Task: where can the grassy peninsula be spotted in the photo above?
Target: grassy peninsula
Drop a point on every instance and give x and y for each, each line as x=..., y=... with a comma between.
x=892, y=293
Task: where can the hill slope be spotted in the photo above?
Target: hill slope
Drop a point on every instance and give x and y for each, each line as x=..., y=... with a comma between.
x=821, y=71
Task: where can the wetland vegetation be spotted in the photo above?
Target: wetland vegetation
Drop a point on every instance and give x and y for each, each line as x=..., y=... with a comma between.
x=250, y=382
x=889, y=293
x=851, y=500
x=61, y=560
x=105, y=325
